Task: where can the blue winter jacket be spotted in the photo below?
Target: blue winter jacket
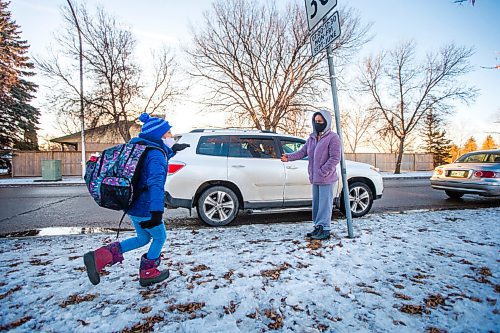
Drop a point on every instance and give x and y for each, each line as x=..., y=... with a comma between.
x=152, y=176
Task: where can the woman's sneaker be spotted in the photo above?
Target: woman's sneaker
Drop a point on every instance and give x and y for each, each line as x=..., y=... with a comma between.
x=312, y=233
x=321, y=234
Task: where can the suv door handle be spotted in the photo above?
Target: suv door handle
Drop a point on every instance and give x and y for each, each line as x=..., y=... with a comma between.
x=292, y=167
x=238, y=166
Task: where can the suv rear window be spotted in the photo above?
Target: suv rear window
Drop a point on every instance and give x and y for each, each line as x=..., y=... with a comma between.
x=252, y=148
x=213, y=145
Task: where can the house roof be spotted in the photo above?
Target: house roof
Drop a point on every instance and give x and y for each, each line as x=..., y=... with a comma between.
x=94, y=132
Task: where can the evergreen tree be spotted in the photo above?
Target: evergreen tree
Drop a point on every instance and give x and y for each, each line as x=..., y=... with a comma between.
x=18, y=121
x=435, y=141
x=489, y=143
x=470, y=145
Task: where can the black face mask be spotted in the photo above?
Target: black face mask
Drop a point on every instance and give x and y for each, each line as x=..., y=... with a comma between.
x=319, y=127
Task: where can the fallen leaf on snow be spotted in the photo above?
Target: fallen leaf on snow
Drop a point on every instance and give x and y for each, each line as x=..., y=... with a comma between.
x=275, y=317
x=228, y=275
x=435, y=330
x=15, y=323
x=76, y=299
x=274, y=274
x=314, y=244
x=413, y=309
x=402, y=296
x=200, y=268
x=231, y=308
x=146, y=326
x=187, y=307
x=39, y=262
x=145, y=309
x=434, y=300
x=11, y=291
x=322, y=328
x=485, y=271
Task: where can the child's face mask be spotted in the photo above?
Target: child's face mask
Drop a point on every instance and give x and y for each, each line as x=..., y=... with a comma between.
x=169, y=142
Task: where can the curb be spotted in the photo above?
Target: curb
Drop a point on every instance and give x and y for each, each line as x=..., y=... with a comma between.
x=403, y=178
x=39, y=184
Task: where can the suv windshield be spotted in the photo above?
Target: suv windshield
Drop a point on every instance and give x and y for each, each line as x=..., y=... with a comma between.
x=479, y=158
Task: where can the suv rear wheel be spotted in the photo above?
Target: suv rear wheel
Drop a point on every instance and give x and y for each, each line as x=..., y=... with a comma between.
x=217, y=206
x=360, y=197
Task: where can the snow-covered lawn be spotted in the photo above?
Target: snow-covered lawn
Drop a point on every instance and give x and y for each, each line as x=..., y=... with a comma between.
x=415, y=272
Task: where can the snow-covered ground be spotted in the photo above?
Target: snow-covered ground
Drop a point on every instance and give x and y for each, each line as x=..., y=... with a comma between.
x=415, y=272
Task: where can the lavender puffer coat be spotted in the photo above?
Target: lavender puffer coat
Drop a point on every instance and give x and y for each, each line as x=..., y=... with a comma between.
x=323, y=153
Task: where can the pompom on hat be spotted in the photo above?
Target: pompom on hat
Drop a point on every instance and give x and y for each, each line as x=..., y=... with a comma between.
x=153, y=128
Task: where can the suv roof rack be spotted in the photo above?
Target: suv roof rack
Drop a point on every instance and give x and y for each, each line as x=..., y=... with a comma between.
x=201, y=130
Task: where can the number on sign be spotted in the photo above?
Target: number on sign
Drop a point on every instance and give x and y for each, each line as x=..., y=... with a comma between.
x=315, y=5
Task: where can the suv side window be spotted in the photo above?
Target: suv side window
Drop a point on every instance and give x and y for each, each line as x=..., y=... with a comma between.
x=289, y=146
x=215, y=145
x=252, y=147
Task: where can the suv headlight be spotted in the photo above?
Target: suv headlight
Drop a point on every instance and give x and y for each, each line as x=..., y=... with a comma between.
x=375, y=169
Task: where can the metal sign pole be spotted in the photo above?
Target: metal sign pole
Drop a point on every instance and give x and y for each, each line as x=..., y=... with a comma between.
x=333, y=82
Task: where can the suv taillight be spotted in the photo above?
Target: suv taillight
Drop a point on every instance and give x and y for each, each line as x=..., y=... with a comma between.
x=174, y=167
x=485, y=174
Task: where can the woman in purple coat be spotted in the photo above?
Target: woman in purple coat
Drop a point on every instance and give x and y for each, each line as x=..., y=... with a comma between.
x=323, y=149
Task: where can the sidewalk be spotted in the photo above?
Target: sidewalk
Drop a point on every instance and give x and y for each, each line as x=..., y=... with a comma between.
x=77, y=180
x=416, y=272
x=37, y=181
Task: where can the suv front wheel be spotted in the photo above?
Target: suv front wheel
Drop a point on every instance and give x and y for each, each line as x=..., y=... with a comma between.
x=360, y=197
x=217, y=206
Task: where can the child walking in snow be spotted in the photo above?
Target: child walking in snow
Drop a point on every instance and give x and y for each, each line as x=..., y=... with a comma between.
x=146, y=211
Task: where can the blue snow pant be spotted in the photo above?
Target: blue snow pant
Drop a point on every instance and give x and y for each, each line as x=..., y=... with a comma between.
x=158, y=234
x=322, y=205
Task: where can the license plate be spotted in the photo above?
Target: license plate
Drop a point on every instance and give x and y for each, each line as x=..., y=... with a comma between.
x=458, y=174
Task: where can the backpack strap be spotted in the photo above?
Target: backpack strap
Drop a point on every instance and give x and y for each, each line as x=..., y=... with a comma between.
x=119, y=224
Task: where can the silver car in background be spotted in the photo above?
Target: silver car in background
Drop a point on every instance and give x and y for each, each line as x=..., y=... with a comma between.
x=477, y=172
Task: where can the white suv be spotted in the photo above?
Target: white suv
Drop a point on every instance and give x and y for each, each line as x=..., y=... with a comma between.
x=227, y=170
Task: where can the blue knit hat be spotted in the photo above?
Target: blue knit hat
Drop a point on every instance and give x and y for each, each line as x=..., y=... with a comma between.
x=153, y=128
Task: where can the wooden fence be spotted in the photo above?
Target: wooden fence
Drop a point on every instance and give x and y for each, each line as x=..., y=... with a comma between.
x=387, y=162
x=29, y=163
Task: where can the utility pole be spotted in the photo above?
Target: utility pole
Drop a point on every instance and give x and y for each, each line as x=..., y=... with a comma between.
x=345, y=186
x=82, y=107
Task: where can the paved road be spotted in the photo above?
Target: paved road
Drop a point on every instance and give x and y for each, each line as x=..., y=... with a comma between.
x=26, y=208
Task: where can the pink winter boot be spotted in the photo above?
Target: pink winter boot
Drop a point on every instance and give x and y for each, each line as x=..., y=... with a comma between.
x=96, y=260
x=149, y=272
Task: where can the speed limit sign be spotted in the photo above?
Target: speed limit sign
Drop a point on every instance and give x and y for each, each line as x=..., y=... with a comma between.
x=317, y=9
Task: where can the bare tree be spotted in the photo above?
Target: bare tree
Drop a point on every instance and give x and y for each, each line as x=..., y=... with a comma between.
x=116, y=92
x=255, y=61
x=357, y=127
x=403, y=91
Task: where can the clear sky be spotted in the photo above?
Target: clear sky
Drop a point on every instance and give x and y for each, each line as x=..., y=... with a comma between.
x=431, y=23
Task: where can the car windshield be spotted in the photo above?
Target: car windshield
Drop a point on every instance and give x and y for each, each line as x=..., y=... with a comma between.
x=480, y=158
